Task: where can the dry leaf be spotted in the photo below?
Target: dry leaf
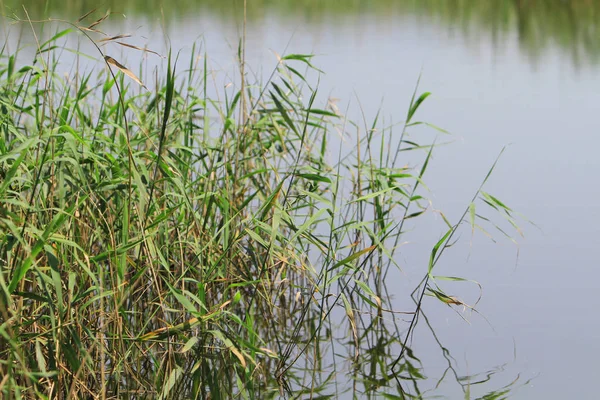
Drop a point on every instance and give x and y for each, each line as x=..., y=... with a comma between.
x=93, y=24
x=83, y=28
x=378, y=301
x=114, y=38
x=239, y=355
x=84, y=16
x=222, y=306
x=124, y=70
x=140, y=48
x=268, y=352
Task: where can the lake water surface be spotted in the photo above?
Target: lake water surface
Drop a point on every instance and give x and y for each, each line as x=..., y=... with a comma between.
x=517, y=73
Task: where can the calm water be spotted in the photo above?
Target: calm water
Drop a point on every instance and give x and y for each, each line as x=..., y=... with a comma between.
x=503, y=73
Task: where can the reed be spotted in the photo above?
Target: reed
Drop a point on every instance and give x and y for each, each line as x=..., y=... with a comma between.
x=159, y=243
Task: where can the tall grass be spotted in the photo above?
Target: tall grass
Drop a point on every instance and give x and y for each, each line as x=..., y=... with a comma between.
x=163, y=244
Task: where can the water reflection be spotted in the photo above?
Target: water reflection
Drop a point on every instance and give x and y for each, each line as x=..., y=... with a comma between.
x=570, y=25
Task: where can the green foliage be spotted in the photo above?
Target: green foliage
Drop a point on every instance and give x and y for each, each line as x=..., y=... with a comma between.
x=148, y=250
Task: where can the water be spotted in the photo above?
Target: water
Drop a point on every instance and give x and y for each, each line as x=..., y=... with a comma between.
x=511, y=75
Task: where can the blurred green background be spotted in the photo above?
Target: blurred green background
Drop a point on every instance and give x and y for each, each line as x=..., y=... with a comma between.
x=572, y=25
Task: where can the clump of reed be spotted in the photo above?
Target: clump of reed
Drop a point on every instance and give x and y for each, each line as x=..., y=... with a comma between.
x=159, y=243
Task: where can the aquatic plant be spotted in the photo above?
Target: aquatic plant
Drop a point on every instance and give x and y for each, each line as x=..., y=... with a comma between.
x=159, y=243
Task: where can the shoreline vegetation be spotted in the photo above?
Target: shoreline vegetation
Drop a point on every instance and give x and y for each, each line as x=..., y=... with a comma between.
x=538, y=25
x=158, y=243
